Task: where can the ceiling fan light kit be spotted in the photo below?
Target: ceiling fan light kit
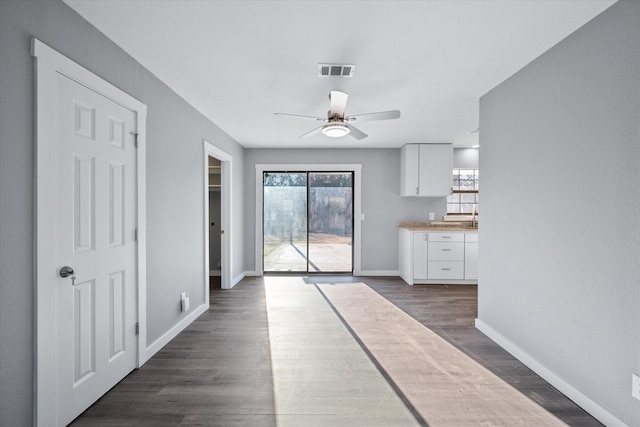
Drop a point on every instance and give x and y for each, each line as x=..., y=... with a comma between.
x=336, y=120
x=335, y=130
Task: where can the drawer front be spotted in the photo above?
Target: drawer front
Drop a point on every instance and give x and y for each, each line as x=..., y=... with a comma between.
x=446, y=237
x=453, y=270
x=471, y=237
x=446, y=251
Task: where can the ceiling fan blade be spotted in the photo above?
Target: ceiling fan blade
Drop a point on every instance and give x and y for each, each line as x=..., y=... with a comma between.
x=312, y=132
x=338, y=102
x=381, y=115
x=356, y=133
x=301, y=116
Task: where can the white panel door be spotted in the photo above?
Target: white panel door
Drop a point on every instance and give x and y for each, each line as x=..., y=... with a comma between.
x=96, y=219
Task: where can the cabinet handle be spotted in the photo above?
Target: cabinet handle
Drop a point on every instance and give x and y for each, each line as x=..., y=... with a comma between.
x=446, y=237
x=445, y=269
x=446, y=250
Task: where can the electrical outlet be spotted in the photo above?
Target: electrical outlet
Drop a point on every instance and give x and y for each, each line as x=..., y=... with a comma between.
x=432, y=216
x=184, y=302
x=635, y=386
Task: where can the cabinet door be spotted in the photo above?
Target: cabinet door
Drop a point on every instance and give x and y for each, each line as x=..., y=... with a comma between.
x=405, y=255
x=435, y=170
x=420, y=243
x=471, y=261
x=409, y=170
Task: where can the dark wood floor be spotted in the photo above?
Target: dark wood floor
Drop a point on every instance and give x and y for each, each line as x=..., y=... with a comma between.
x=218, y=371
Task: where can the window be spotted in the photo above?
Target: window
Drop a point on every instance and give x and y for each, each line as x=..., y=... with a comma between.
x=465, y=192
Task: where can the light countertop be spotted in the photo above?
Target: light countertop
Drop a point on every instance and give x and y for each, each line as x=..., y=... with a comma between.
x=464, y=227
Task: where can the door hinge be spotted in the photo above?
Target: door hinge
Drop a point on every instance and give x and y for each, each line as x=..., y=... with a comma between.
x=136, y=234
x=135, y=138
x=137, y=328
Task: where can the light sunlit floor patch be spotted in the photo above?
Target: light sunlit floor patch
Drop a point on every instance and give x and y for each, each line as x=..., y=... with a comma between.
x=321, y=375
x=446, y=387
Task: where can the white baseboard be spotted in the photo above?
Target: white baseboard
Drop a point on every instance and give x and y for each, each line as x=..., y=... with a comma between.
x=157, y=345
x=565, y=388
x=237, y=279
x=241, y=276
x=215, y=272
x=377, y=273
x=252, y=273
x=444, y=282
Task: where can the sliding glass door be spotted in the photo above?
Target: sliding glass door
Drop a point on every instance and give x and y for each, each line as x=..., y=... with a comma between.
x=284, y=221
x=308, y=222
x=330, y=222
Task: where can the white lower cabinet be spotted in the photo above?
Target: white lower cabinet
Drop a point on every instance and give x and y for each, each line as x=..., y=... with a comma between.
x=438, y=257
x=445, y=256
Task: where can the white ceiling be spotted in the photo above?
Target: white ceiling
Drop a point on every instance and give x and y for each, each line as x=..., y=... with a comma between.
x=238, y=62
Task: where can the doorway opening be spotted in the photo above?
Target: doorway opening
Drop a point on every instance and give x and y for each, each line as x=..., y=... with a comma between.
x=308, y=222
x=217, y=218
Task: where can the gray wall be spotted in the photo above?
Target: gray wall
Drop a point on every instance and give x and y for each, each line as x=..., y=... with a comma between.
x=175, y=193
x=559, y=270
x=381, y=202
x=466, y=158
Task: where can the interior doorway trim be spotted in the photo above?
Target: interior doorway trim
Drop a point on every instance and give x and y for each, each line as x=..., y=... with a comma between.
x=226, y=164
x=50, y=63
x=357, y=211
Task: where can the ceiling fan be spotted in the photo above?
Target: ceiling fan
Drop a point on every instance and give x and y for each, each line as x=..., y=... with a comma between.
x=337, y=124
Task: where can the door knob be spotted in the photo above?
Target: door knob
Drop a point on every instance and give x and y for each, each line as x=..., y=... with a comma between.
x=66, y=271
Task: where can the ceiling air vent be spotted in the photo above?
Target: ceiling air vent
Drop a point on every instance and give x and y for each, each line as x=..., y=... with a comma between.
x=336, y=70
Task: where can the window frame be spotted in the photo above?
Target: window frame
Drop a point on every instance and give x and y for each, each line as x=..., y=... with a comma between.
x=457, y=190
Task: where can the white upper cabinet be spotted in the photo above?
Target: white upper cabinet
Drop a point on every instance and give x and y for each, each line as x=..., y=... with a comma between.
x=426, y=169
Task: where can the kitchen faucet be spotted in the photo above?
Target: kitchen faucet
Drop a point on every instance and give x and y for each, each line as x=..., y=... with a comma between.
x=474, y=222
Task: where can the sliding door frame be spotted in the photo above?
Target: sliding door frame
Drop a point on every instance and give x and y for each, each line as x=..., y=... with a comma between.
x=356, y=169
